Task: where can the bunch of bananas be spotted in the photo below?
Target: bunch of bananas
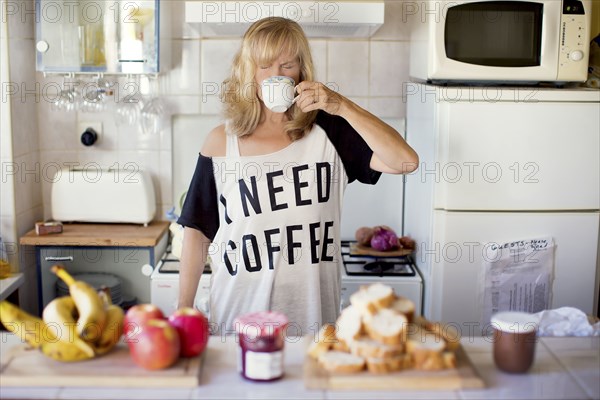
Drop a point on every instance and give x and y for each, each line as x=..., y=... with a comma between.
x=77, y=327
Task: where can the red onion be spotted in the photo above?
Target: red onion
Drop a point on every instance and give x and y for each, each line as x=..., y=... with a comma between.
x=384, y=239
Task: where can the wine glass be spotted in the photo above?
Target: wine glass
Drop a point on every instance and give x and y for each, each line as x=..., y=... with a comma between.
x=152, y=116
x=129, y=110
x=67, y=97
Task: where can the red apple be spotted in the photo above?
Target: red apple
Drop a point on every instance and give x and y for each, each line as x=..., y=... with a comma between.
x=192, y=327
x=156, y=346
x=137, y=316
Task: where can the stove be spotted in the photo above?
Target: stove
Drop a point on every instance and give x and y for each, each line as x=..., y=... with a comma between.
x=400, y=273
x=379, y=266
x=164, y=286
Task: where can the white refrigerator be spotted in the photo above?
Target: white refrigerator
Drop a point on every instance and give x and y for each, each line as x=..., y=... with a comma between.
x=497, y=165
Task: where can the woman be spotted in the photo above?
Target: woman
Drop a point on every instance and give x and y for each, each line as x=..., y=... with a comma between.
x=266, y=197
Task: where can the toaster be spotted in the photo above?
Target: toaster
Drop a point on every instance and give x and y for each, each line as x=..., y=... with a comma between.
x=103, y=195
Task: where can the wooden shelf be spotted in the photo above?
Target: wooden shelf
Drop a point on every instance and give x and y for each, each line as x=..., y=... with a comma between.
x=96, y=235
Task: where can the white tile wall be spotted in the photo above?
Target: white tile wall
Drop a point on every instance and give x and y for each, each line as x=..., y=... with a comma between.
x=215, y=63
x=388, y=62
x=183, y=76
x=318, y=50
x=348, y=66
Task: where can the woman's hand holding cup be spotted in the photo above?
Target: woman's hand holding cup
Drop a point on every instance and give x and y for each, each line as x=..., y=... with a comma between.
x=316, y=96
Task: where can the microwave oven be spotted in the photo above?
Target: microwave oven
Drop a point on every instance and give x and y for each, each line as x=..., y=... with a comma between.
x=499, y=40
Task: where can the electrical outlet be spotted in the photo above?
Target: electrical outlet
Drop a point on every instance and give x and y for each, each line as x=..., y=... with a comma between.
x=96, y=125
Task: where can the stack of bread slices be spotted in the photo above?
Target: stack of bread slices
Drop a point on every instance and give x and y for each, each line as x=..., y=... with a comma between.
x=379, y=332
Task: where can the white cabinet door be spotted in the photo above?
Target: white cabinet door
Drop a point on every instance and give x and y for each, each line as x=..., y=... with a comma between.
x=517, y=156
x=455, y=254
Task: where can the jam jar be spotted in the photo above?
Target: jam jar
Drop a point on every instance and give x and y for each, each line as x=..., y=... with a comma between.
x=261, y=339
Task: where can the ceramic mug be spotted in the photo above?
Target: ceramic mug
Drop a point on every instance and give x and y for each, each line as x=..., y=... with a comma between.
x=278, y=93
x=514, y=340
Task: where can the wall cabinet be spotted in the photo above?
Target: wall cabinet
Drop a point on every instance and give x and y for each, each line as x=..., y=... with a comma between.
x=97, y=36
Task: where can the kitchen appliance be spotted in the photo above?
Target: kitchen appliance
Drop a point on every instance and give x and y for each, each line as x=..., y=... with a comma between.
x=400, y=273
x=500, y=164
x=318, y=19
x=103, y=195
x=499, y=40
x=164, y=286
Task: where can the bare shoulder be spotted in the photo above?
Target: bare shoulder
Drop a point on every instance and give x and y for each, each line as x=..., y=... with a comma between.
x=215, y=143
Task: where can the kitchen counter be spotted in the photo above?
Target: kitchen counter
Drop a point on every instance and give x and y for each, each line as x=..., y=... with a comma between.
x=564, y=368
x=93, y=235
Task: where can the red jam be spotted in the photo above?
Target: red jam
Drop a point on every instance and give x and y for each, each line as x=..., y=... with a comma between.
x=261, y=345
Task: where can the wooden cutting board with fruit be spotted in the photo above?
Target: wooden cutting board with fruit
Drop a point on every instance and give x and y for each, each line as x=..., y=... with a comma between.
x=381, y=241
x=378, y=343
x=29, y=367
x=77, y=342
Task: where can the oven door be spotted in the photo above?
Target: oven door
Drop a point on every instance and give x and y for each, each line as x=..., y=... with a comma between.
x=410, y=287
x=164, y=291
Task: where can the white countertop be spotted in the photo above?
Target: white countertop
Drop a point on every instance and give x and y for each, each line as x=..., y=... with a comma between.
x=564, y=368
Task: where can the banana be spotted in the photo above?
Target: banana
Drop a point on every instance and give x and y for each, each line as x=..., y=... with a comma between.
x=62, y=313
x=29, y=328
x=114, y=326
x=65, y=351
x=92, y=313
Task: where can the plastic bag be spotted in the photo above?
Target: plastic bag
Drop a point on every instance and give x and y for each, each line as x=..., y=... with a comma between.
x=517, y=276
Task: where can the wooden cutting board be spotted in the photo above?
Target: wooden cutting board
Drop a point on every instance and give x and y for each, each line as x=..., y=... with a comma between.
x=29, y=367
x=463, y=376
x=360, y=250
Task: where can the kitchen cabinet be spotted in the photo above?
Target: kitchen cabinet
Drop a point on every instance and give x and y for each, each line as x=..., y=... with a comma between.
x=128, y=251
x=97, y=36
x=498, y=165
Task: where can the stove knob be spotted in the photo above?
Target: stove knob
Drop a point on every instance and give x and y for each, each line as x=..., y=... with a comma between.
x=147, y=269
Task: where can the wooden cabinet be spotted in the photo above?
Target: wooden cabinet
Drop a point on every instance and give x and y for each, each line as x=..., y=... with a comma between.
x=128, y=251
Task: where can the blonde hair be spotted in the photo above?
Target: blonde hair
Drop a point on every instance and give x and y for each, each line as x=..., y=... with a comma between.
x=263, y=43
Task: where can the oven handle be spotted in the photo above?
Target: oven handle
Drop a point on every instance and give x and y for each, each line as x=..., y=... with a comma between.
x=65, y=258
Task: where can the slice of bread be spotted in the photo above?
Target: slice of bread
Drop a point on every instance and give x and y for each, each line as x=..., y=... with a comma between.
x=387, y=365
x=340, y=345
x=371, y=298
x=323, y=341
x=349, y=324
x=340, y=362
x=404, y=306
x=422, y=322
x=369, y=348
x=425, y=348
x=386, y=326
x=422, y=339
x=449, y=359
x=447, y=331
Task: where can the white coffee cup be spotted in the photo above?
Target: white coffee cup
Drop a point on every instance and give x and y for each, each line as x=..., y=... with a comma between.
x=278, y=93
